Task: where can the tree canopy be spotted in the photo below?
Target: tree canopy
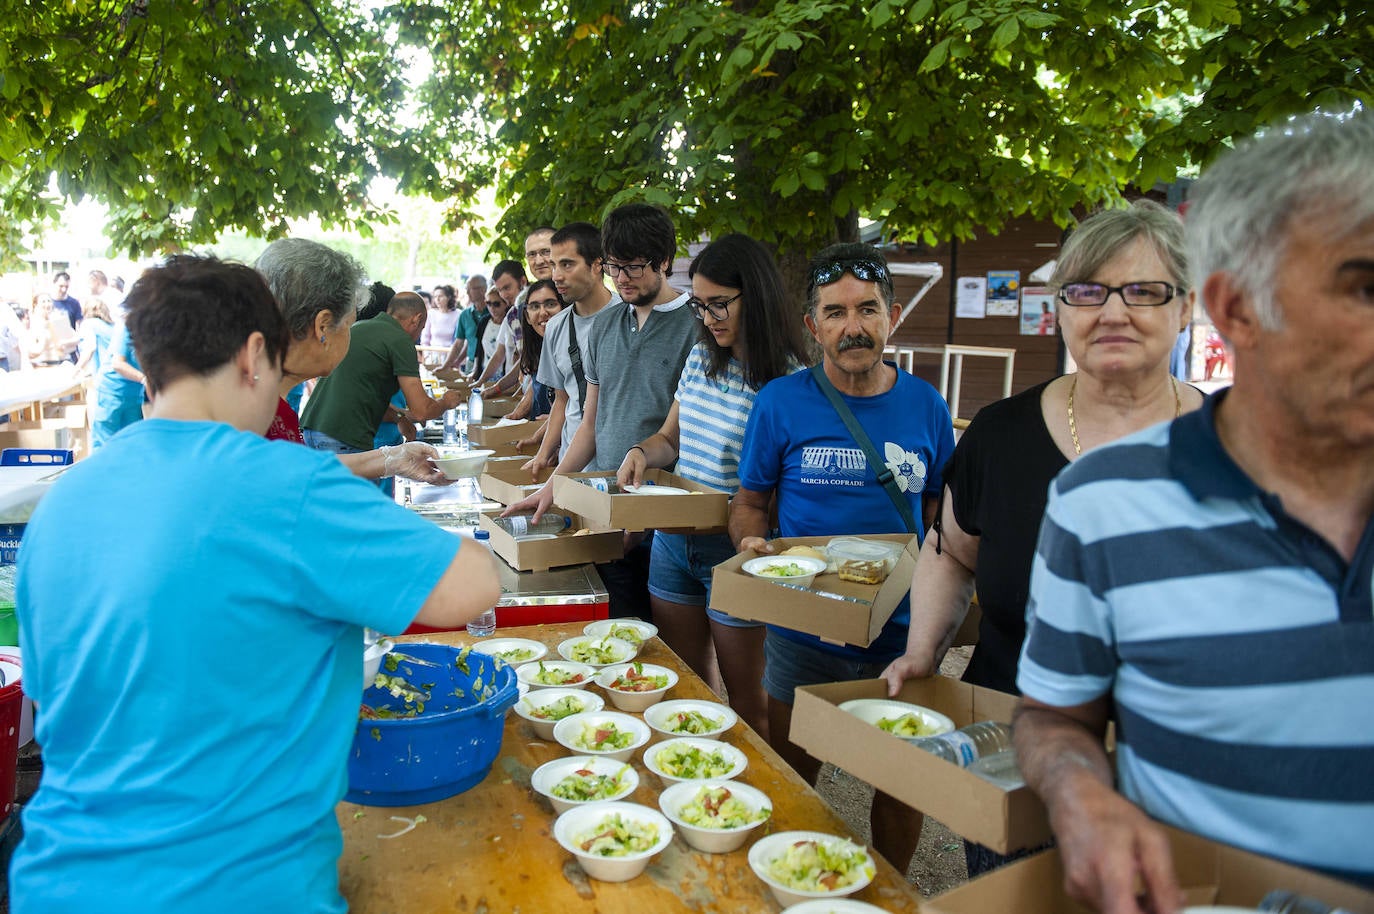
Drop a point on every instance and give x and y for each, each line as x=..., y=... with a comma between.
x=187, y=118
x=786, y=119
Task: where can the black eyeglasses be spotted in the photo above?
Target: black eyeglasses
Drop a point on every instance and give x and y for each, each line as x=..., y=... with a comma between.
x=863, y=268
x=632, y=270
x=1134, y=294
x=720, y=310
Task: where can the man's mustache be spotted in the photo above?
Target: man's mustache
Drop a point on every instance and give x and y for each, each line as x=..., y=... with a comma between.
x=858, y=341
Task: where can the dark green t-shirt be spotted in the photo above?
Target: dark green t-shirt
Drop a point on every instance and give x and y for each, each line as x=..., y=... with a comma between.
x=349, y=403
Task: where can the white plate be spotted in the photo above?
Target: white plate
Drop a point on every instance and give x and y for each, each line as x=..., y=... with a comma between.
x=656, y=490
x=872, y=710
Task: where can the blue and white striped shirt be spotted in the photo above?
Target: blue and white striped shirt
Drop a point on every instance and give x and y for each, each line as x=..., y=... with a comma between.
x=1237, y=644
x=712, y=414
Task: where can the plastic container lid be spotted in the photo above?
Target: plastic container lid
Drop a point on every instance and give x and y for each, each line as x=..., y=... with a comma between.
x=852, y=548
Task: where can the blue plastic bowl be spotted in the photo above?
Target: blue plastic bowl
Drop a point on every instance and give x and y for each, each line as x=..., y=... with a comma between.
x=446, y=749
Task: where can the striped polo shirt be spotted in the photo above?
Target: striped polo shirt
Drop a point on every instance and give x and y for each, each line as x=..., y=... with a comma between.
x=1236, y=644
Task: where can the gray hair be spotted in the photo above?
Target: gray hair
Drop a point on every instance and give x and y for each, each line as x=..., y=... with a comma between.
x=1105, y=233
x=306, y=278
x=1241, y=208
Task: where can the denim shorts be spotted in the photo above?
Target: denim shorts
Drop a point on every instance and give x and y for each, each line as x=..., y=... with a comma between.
x=321, y=442
x=788, y=664
x=680, y=571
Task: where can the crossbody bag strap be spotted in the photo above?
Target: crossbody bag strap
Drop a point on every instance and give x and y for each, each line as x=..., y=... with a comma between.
x=856, y=431
x=575, y=354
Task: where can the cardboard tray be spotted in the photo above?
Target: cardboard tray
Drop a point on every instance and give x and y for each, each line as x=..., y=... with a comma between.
x=855, y=614
x=706, y=511
x=605, y=545
x=502, y=479
x=497, y=407
x=1003, y=820
x=487, y=434
x=1209, y=874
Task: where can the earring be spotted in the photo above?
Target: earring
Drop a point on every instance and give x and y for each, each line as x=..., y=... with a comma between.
x=256, y=378
x=321, y=337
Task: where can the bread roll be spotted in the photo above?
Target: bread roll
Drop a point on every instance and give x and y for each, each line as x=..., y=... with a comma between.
x=809, y=551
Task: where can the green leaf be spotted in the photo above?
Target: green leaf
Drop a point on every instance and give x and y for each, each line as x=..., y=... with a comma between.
x=936, y=58
x=919, y=10
x=1006, y=32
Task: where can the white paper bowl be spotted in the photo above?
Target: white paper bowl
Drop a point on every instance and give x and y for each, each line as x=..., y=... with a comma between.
x=634, y=701
x=766, y=849
x=512, y=651
x=526, y=673
x=872, y=710
x=568, y=827
x=661, y=717
x=759, y=568
x=543, y=727
x=567, y=730
x=735, y=757
x=543, y=778
x=462, y=464
x=605, y=628
x=372, y=659
x=712, y=840
x=618, y=651
x=836, y=906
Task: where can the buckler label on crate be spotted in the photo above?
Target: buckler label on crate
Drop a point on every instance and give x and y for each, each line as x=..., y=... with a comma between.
x=10, y=535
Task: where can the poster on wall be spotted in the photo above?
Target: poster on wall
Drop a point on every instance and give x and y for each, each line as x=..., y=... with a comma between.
x=1037, y=311
x=972, y=297
x=1004, y=293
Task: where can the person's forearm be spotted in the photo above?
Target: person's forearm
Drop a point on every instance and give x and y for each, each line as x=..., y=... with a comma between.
x=366, y=464
x=580, y=451
x=493, y=364
x=127, y=371
x=510, y=381
x=1059, y=757
x=658, y=450
x=747, y=520
x=941, y=590
x=456, y=353
x=553, y=431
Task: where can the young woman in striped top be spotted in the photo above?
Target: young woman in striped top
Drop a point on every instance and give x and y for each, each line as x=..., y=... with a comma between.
x=749, y=336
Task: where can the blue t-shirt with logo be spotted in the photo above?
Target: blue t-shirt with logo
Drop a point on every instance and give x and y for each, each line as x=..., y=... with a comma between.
x=797, y=444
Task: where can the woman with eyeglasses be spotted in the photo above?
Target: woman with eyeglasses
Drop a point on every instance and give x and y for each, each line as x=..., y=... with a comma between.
x=1122, y=299
x=542, y=302
x=749, y=335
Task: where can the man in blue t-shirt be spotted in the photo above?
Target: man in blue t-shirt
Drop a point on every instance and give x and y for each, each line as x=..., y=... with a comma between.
x=798, y=448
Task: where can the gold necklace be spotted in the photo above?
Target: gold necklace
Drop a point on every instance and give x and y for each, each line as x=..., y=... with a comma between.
x=1073, y=426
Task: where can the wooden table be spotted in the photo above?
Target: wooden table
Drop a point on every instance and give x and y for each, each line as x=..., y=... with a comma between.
x=23, y=393
x=492, y=849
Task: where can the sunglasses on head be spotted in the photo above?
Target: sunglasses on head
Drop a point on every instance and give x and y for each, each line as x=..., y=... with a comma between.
x=862, y=268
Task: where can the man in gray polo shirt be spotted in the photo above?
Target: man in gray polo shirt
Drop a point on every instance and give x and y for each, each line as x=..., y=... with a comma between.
x=632, y=363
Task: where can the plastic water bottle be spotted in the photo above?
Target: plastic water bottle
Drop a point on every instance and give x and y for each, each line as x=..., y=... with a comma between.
x=485, y=624
x=966, y=745
x=451, y=426
x=1281, y=902
x=475, y=405
x=603, y=484
x=519, y=525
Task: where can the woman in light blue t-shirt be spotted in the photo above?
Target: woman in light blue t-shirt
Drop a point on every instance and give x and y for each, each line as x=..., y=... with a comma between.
x=749, y=336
